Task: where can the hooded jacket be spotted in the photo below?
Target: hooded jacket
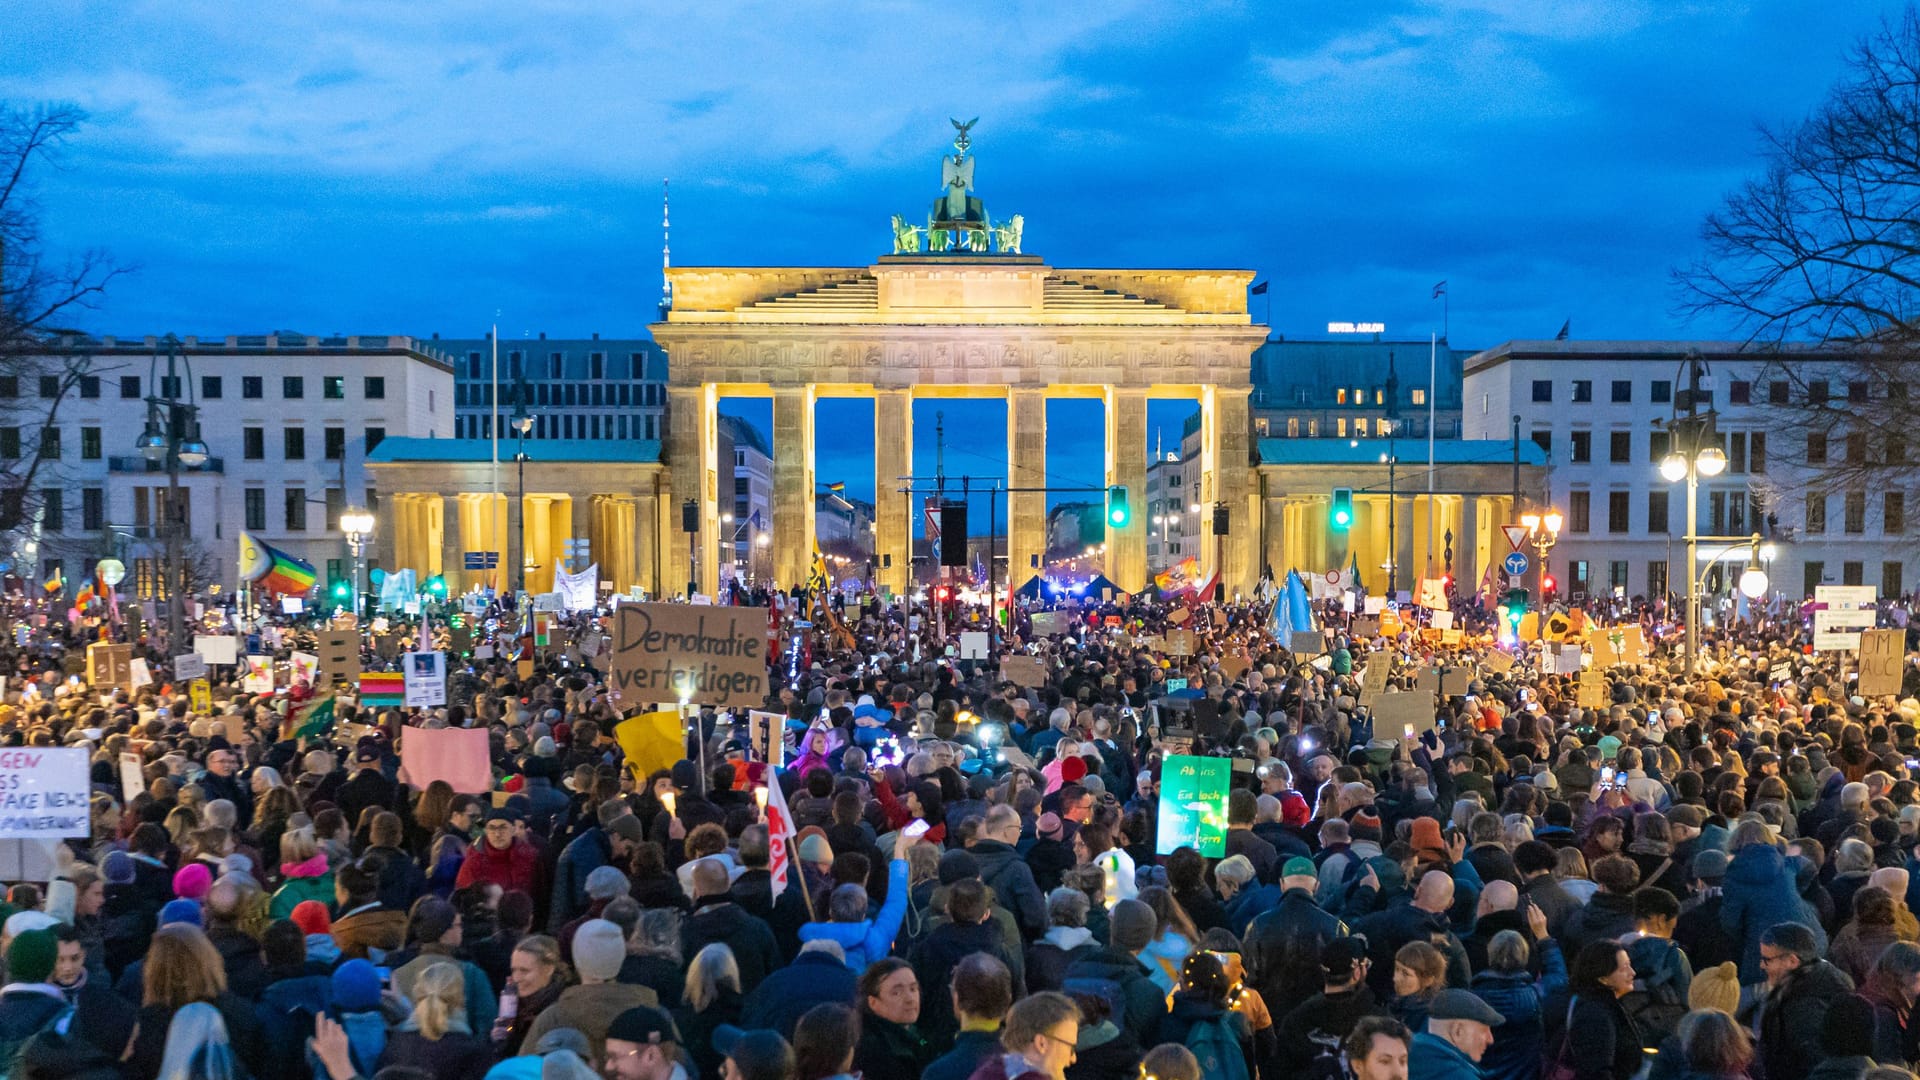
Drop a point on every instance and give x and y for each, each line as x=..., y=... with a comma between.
x=1519, y=1041
x=717, y=919
x=1011, y=880
x=1057, y=949
x=1758, y=893
x=1792, y=1016
x=868, y=940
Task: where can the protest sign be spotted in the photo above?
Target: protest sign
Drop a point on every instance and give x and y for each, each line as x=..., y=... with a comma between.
x=1497, y=661
x=133, y=779
x=652, y=740
x=44, y=793
x=673, y=652
x=1049, y=623
x=1403, y=714
x=142, y=675
x=110, y=666
x=1441, y=620
x=1452, y=638
x=766, y=736
x=1023, y=671
x=456, y=755
x=306, y=668
x=426, y=680
x=1193, y=805
x=1234, y=666
x=1566, y=659
x=217, y=650
x=1593, y=689
x=189, y=666
x=1883, y=655
x=1179, y=616
x=1179, y=643
x=1365, y=626
x=973, y=645
x=1838, y=629
x=199, y=695
x=259, y=677
x=1374, y=605
x=1307, y=643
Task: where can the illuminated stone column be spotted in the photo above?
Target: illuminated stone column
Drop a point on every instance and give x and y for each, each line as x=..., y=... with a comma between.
x=692, y=455
x=792, y=484
x=1127, y=465
x=1026, y=467
x=892, y=509
x=536, y=542
x=1226, y=456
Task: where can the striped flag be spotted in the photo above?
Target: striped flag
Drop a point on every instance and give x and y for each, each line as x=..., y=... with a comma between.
x=780, y=833
x=383, y=689
x=314, y=717
x=55, y=583
x=272, y=570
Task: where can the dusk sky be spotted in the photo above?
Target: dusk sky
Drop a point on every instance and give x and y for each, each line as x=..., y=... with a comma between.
x=385, y=168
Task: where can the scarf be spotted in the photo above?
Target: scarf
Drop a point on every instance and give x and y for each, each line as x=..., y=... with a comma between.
x=313, y=867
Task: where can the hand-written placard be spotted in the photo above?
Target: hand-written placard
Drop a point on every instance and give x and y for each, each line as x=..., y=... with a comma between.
x=1193, y=805
x=1883, y=656
x=1179, y=643
x=1402, y=714
x=709, y=655
x=1593, y=689
x=1023, y=671
x=189, y=666
x=1307, y=643
x=43, y=793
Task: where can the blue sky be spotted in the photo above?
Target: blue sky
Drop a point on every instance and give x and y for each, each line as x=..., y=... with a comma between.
x=373, y=167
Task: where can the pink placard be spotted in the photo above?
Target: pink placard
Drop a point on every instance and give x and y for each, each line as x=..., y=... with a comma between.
x=456, y=755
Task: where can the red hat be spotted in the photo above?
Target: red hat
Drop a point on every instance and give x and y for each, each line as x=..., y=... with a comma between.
x=311, y=917
x=1072, y=770
x=1294, y=809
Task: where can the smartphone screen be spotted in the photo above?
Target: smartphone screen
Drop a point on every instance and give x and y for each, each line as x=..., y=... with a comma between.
x=1606, y=775
x=916, y=829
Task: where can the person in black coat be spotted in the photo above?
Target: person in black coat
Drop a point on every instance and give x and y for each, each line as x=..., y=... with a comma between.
x=1283, y=945
x=1698, y=930
x=369, y=787
x=716, y=918
x=1800, y=988
x=890, y=1040
x=221, y=781
x=969, y=931
x=818, y=975
x=1589, y=1030
x=981, y=993
x=1609, y=914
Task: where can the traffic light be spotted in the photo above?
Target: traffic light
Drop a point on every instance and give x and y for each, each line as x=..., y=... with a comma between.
x=1516, y=604
x=437, y=587
x=1547, y=586
x=1341, y=516
x=1117, y=512
x=941, y=593
x=340, y=590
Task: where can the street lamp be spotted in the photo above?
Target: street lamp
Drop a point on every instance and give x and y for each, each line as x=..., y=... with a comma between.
x=357, y=524
x=1543, y=531
x=1693, y=452
x=522, y=423
x=172, y=436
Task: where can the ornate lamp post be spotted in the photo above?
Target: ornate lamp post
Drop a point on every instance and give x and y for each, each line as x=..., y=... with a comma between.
x=357, y=524
x=1543, y=531
x=172, y=436
x=1693, y=451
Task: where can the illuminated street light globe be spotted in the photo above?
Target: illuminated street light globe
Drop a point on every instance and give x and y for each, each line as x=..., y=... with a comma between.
x=1674, y=467
x=1753, y=583
x=1712, y=461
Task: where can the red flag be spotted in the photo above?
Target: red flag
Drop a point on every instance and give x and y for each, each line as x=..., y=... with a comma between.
x=780, y=834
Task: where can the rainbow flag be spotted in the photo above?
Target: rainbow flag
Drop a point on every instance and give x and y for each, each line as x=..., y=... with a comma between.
x=383, y=689
x=272, y=570
x=85, y=596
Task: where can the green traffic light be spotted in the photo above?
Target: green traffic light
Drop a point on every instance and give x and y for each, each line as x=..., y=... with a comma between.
x=1117, y=513
x=1340, y=514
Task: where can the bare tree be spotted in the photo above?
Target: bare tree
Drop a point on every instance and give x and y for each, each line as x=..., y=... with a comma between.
x=1817, y=262
x=39, y=296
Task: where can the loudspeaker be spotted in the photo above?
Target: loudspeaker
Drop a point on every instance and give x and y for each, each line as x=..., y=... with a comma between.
x=1222, y=517
x=953, y=534
x=690, y=516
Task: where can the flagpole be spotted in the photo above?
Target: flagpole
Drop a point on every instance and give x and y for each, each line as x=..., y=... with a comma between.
x=1433, y=354
x=493, y=432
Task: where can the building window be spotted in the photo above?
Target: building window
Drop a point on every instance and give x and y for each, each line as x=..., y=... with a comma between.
x=375, y=436
x=1383, y=427
x=1737, y=452
x=170, y=386
x=93, y=509
x=1293, y=427
x=556, y=366
x=1817, y=392
x=1619, y=512
x=53, y=515
x=50, y=443
x=252, y=387
x=296, y=509
x=375, y=388
x=1816, y=448
x=253, y=443
x=1657, y=577
x=210, y=388
x=1543, y=389
x=336, y=505
x=1896, y=450
x=90, y=444
x=1857, y=392
x=333, y=387
x=1579, y=511
x=9, y=386
x=1580, y=447
x=129, y=386
x=1813, y=574
x=293, y=386
x=1543, y=438
x=295, y=443
x=1893, y=509
x=1891, y=579
x=1620, y=447
x=9, y=442
x=1657, y=503
x=1757, y=452
x=49, y=386
x=1737, y=512
x=1816, y=514
x=1419, y=395
x=1853, y=573
x=1579, y=577
x=334, y=443
x=1777, y=393
x=1856, y=447
x=1582, y=390
x=1855, y=513
x=1617, y=577
x=1340, y=426
x=256, y=509
x=597, y=365
x=1661, y=392
x=1622, y=391
x=1657, y=443
x=89, y=386
x=1739, y=392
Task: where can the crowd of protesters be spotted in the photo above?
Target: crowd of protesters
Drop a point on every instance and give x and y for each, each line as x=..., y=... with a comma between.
x=1703, y=876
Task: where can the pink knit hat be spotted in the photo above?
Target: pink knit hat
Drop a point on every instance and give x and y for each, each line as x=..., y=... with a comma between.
x=192, y=881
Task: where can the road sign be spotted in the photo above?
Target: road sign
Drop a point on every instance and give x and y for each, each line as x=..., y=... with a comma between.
x=1516, y=535
x=482, y=560
x=1516, y=563
x=1515, y=581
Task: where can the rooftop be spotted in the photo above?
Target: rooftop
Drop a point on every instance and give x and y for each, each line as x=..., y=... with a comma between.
x=1671, y=352
x=280, y=341
x=1409, y=451
x=396, y=449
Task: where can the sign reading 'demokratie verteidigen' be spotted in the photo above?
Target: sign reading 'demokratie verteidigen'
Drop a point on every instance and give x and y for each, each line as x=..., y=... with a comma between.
x=694, y=652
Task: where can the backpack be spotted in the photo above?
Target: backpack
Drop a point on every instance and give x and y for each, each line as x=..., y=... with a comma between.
x=1215, y=1043
x=1657, y=1009
x=11, y=1049
x=1107, y=990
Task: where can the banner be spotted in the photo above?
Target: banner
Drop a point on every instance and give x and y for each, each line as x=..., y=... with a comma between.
x=397, y=588
x=1024, y=671
x=44, y=793
x=426, y=679
x=1049, y=623
x=652, y=741
x=679, y=652
x=1883, y=656
x=217, y=650
x=189, y=666
x=457, y=755
x=259, y=677
x=1193, y=805
x=578, y=592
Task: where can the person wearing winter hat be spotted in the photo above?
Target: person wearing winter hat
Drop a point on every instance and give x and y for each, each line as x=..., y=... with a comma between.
x=191, y=881
x=354, y=1003
x=316, y=925
x=599, y=948
x=1131, y=927
x=435, y=930
x=182, y=911
x=642, y=1045
x=30, y=1001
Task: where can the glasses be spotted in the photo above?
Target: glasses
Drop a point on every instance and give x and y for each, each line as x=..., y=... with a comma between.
x=1073, y=1047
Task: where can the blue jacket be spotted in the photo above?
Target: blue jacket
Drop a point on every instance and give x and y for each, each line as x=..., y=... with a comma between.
x=1434, y=1058
x=1518, y=1043
x=868, y=940
x=590, y=851
x=1758, y=893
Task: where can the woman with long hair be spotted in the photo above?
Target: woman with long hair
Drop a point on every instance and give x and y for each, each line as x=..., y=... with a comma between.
x=430, y=814
x=1174, y=939
x=537, y=976
x=712, y=999
x=1205, y=995
x=654, y=958
x=436, y=1037
x=890, y=1040
x=272, y=814
x=1887, y=989
x=1588, y=1030
x=1716, y=1046
x=197, y=1047
x=823, y=1042
x=1419, y=974
x=183, y=968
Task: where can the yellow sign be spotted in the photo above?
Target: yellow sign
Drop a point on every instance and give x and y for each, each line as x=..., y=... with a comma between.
x=199, y=696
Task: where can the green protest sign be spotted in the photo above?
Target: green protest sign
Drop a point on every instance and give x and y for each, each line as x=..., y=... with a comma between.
x=1193, y=805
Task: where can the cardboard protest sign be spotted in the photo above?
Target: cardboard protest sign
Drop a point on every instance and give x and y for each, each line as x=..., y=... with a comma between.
x=1179, y=643
x=456, y=755
x=1193, y=805
x=44, y=793
x=674, y=652
x=110, y=666
x=1390, y=626
x=1365, y=626
x=1024, y=671
x=1179, y=616
x=1307, y=642
x=1593, y=689
x=1403, y=714
x=1566, y=659
x=1445, y=682
x=1234, y=666
x=1374, y=605
x=1497, y=661
x=766, y=739
x=1452, y=638
x=1883, y=655
x=199, y=695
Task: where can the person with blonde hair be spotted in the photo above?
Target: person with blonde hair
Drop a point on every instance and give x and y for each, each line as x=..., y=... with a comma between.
x=712, y=999
x=304, y=866
x=599, y=949
x=435, y=1037
x=183, y=968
